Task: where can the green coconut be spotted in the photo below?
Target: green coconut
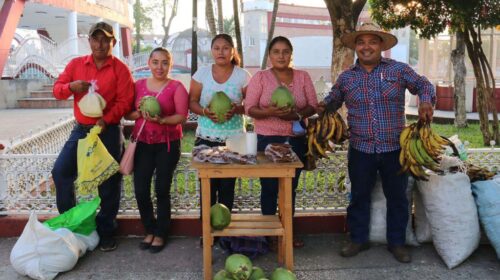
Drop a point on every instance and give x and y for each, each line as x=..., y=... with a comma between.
x=257, y=273
x=282, y=97
x=282, y=274
x=220, y=104
x=238, y=266
x=221, y=275
x=150, y=105
x=220, y=216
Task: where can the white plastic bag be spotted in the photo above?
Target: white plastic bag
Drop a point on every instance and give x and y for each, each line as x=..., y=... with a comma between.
x=41, y=253
x=92, y=104
x=378, y=214
x=452, y=214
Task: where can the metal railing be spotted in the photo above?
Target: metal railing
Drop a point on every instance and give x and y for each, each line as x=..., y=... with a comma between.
x=26, y=183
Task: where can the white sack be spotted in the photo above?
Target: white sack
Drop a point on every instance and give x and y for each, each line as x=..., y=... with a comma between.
x=378, y=214
x=452, y=214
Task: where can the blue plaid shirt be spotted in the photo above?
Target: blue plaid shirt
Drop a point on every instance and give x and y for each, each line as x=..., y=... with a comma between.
x=376, y=103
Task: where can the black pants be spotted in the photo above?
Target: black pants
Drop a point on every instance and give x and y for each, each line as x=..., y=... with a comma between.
x=65, y=172
x=148, y=159
x=221, y=189
x=269, y=186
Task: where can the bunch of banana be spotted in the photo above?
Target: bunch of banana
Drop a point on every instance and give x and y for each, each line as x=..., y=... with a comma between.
x=323, y=133
x=420, y=148
x=477, y=173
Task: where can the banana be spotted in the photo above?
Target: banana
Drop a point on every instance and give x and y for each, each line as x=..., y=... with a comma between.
x=403, y=137
x=319, y=148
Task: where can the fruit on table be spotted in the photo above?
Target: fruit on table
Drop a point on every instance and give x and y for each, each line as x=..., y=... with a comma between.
x=282, y=274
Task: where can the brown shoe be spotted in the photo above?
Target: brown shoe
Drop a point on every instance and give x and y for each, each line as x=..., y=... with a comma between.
x=400, y=253
x=352, y=249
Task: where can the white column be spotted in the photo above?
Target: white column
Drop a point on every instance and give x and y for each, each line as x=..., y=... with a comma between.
x=117, y=49
x=72, y=33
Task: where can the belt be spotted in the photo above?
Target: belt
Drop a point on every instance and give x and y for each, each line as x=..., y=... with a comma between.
x=85, y=126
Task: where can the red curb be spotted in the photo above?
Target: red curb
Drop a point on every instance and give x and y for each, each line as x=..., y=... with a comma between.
x=13, y=225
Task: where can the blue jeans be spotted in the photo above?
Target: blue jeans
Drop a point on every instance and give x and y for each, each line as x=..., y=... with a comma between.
x=65, y=171
x=363, y=170
x=269, y=186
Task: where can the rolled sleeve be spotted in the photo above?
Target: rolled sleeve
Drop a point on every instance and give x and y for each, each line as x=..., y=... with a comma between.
x=419, y=85
x=335, y=97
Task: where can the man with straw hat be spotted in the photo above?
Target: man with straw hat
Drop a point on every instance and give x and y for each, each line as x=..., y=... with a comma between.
x=373, y=90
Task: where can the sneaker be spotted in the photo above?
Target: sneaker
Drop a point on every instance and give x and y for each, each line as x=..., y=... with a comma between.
x=352, y=249
x=400, y=253
x=107, y=244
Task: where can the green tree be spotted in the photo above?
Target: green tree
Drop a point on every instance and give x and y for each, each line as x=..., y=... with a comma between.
x=229, y=26
x=209, y=14
x=142, y=23
x=431, y=17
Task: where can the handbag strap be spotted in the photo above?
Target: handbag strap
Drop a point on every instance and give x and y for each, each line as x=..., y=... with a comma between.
x=156, y=96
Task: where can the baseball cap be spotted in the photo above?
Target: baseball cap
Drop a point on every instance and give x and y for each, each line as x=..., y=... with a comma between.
x=104, y=27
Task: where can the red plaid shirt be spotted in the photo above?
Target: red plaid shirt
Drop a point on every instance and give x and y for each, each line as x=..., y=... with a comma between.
x=376, y=103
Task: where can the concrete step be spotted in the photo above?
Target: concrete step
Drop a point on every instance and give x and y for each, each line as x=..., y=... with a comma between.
x=44, y=103
x=47, y=87
x=41, y=94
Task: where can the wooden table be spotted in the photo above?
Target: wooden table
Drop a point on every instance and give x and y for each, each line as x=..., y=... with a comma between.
x=250, y=224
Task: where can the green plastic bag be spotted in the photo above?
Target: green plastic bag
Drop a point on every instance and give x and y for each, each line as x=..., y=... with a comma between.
x=79, y=219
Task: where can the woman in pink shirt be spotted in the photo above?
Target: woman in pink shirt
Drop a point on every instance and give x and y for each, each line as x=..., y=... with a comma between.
x=273, y=124
x=158, y=146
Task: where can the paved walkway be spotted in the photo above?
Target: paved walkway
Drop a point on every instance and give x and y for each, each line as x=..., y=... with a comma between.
x=19, y=122
x=318, y=260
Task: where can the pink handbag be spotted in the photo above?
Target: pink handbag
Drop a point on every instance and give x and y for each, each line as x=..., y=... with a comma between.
x=127, y=161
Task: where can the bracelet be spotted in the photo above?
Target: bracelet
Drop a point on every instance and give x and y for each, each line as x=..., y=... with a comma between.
x=298, y=115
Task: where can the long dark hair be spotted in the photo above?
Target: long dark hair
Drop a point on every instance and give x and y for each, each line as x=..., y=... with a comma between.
x=167, y=52
x=279, y=39
x=236, y=56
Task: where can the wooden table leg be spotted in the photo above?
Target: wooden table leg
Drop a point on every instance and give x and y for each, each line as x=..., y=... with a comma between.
x=207, y=236
x=286, y=192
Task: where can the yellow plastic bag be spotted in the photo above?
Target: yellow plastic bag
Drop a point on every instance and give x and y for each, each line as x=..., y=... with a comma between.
x=95, y=164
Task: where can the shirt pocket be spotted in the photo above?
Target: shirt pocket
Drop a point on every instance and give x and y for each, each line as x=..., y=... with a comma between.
x=390, y=87
x=353, y=94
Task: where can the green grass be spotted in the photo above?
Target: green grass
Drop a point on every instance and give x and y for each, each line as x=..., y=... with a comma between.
x=472, y=133
x=187, y=141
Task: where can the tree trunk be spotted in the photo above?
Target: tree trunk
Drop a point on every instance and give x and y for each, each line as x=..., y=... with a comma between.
x=344, y=16
x=457, y=59
x=270, y=34
x=220, y=17
x=137, y=27
x=484, y=85
x=194, y=39
x=166, y=28
x=237, y=30
x=209, y=13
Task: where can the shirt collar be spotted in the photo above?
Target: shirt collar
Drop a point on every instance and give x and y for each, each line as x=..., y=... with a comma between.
x=356, y=65
x=89, y=60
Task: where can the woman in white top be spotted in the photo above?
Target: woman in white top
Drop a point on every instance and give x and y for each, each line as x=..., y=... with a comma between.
x=223, y=75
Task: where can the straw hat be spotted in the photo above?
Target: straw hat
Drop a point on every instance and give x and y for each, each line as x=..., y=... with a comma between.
x=388, y=40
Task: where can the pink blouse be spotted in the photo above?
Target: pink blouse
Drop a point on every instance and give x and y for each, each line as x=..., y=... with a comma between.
x=173, y=100
x=259, y=92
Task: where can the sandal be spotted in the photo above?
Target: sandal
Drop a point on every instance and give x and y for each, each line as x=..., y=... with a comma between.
x=144, y=245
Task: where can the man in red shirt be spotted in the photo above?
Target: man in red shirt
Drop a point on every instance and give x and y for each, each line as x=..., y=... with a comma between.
x=115, y=84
